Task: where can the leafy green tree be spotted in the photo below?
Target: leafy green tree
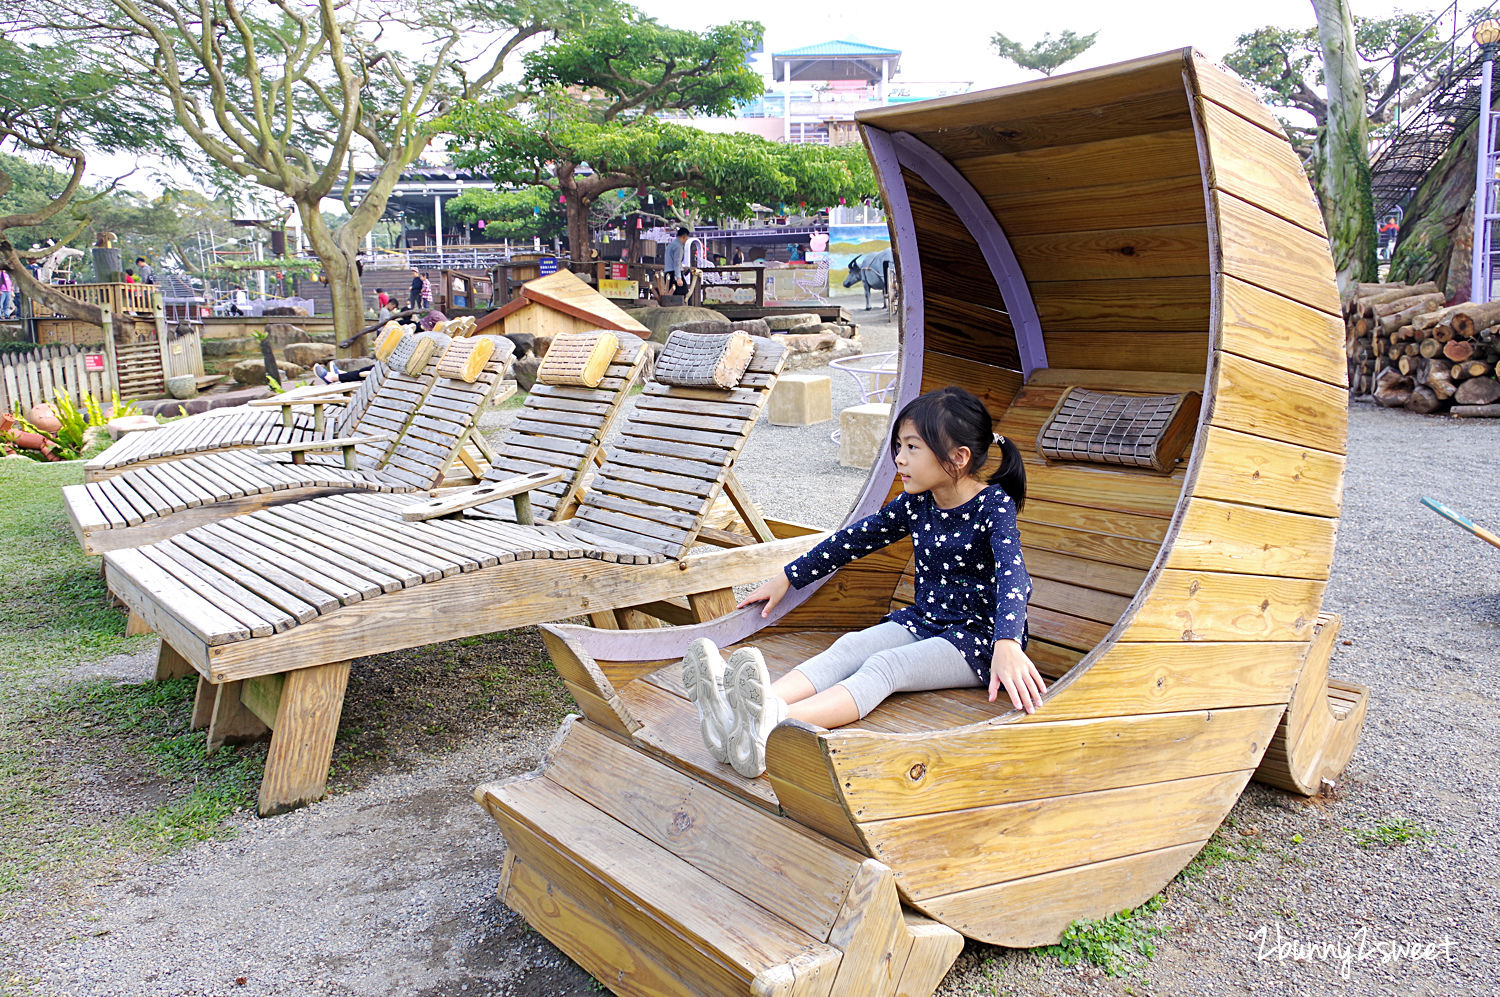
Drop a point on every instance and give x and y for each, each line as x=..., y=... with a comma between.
x=518, y=215
x=1047, y=55
x=292, y=95
x=54, y=104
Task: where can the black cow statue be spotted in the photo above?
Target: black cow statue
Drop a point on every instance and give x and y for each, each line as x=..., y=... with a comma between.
x=875, y=270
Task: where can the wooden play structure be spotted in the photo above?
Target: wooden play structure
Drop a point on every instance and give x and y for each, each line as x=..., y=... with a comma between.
x=1138, y=230
x=557, y=303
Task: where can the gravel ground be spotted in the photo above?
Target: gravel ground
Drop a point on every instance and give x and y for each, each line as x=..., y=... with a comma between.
x=388, y=887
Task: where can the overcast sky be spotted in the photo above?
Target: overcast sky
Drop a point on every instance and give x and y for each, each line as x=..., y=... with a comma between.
x=950, y=41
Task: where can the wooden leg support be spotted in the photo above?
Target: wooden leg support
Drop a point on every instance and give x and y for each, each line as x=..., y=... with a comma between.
x=232, y=722
x=203, y=703
x=135, y=625
x=306, y=722
x=170, y=664
x=711, y=605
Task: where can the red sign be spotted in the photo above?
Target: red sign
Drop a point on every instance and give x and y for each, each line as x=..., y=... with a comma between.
x=618, y=271
x=93, y=362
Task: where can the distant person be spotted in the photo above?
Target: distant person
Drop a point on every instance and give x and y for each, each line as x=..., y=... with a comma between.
x=414, y=296
x=738, y=259
x=129, y=276
x=676, y=262
x=148, y=276
x=7, y=294
x=238, y=301
x=382, y=299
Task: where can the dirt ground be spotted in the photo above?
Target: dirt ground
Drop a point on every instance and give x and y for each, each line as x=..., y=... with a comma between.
x=387, y=886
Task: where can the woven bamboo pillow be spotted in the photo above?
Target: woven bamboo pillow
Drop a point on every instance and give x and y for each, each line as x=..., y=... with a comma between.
x=578, y=358
x=464, y=359
x=1099, y=427
x=704, y=360
x=389, y=338
x=412, y=352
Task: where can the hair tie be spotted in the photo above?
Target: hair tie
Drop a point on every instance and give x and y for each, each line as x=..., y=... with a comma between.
x=999, y=439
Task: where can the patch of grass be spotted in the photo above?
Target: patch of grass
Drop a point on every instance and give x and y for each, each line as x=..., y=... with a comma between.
x=1391, y=833
x=1226, y=845
x=1117, y=944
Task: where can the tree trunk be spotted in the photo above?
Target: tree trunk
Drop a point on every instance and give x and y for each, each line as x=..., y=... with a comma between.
x=1348, y=205
x=1478, y=391
x=62, y=304
x=338, y=252
x=579, y=240
x=1437, y=232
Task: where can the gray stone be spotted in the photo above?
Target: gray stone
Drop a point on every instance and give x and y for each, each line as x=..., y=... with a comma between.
x=121, y=425
x=795, y=320
x=524, y=342
x=182, y=386
x=841, y=331
x=806, y=342
x=703, y=327
x=754, y=326
x=818, y=359
x=525, y=370
x=231, y=346
x=307, y=354
x=661, y=321
x=253, y=371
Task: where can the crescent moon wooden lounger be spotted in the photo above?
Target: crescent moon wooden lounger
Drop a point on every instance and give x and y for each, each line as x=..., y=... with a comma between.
x=1128, y=266
x=269, y=608
x=406, y=442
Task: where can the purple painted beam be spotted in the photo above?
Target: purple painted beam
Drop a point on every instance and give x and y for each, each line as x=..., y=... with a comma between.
x=669, y=642
x=951, y=185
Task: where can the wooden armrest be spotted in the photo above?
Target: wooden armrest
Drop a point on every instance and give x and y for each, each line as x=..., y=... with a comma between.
x=327, y=394
x=334, y=444
x=480, y=495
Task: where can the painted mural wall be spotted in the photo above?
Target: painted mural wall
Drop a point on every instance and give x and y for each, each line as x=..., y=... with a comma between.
x=846, y=242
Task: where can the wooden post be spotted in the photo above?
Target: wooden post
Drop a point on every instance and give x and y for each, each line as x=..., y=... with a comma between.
x=711, y=605
x=135, y=625
x=232, y=722
x=170, y=664
x=760, y=287
x=111, y=355
x=307, y=720
x=203, y=703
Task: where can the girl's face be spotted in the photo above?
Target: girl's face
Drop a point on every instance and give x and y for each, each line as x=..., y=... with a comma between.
x=918, y=464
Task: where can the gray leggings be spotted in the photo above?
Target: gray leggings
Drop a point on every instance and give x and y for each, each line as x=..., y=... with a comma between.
x=884, y=659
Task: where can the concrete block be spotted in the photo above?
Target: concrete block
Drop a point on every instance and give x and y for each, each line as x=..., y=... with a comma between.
x=800, y=400
x=864, y=434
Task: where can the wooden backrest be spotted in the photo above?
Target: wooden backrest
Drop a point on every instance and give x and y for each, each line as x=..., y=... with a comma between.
x=359, y=402
x=443, y=419
x=674, y=452
x=563, y=426
x=1089, y=532
x=390, y=411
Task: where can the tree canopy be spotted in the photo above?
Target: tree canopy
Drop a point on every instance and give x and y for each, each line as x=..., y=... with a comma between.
x=1045, y=56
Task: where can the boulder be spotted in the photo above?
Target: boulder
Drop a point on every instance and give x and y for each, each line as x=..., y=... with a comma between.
x=810, y=343
x=662, y=320
x=228, y=347
x=841, y=331
x=840, y=349
x=182, y=386
x=43, y=418
x=793, y=320
x=307, y=354
x=754, y=326
x=703, y=327
x=286, y=311
x=525, y=370
x=121, y=425
x=253, y=371
x=524, y=342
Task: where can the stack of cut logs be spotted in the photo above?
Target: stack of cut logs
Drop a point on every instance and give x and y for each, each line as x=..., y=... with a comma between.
x=1407, y=349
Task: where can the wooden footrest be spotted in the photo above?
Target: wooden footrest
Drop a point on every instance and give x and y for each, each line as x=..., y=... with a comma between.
x=658, y=884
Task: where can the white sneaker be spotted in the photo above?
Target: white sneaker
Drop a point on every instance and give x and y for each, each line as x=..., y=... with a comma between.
x=703, y=677
x=756, y=711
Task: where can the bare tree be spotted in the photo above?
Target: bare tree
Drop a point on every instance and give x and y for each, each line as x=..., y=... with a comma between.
x=1348, y=205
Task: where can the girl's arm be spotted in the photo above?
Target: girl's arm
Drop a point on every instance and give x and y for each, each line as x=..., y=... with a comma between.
x=869, y=534
x=1010, y=665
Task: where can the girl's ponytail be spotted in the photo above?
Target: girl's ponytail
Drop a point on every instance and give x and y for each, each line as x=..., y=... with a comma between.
x=1011, y=474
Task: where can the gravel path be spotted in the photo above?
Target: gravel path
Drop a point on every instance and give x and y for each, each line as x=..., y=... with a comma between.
x=389, y=888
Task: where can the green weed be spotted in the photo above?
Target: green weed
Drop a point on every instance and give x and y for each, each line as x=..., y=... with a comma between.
x=1116, y=944
x=1390, y=833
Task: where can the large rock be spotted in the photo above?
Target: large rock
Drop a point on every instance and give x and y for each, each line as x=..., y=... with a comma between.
x=709, y=328
x=818, y=359
x=229, y=347
x=794, y=320
x=285, y=333
x=524, y=342
x=286, y=311
x=754, y=326
x=182, y=386
x=661, y=321
x=253, y=371
x=841, y=331
x=810, y=343
x=121, y=425
x=524, y=370
x=307, y=354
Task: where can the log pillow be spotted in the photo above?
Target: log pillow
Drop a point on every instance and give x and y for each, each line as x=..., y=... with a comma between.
x=464, y=359
x=1100, y=427
x=704, y=360
x=388, y=340
x=578, y=358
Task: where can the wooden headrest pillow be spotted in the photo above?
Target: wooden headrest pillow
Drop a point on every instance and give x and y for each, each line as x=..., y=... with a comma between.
x=704, y=360
x=578, y=358
x=1102, y=427
x=413, y=352
x=464, y=325
x=465, y=359
x=386, y=342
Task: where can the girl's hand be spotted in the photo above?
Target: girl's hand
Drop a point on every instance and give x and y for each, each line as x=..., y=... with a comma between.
x=770, y=593
x=1012, y=668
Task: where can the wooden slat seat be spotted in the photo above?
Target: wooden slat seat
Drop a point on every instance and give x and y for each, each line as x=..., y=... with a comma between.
x=240, y=427
x=412, y=430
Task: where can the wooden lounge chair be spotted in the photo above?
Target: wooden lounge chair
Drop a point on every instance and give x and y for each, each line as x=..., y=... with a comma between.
x=270, y=607
x=1177, y=599
x=405, y=441
x=335, y=410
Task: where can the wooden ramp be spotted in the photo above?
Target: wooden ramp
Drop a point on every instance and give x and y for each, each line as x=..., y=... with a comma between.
x=702, y=896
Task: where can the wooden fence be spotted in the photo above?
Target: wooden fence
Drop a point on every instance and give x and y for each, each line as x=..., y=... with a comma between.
x=40, y=375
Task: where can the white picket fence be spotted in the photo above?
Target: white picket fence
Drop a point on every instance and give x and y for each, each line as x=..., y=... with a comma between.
x=41, y=374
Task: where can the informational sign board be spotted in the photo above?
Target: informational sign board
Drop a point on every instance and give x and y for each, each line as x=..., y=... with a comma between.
x=621, y=289
x=546, y=265
x=619, y=271
x=93, y=362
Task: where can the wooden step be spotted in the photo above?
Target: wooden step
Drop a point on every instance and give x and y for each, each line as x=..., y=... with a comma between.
x=657, y=883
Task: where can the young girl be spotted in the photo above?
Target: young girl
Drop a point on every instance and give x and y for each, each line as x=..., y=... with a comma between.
x=965, y=628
